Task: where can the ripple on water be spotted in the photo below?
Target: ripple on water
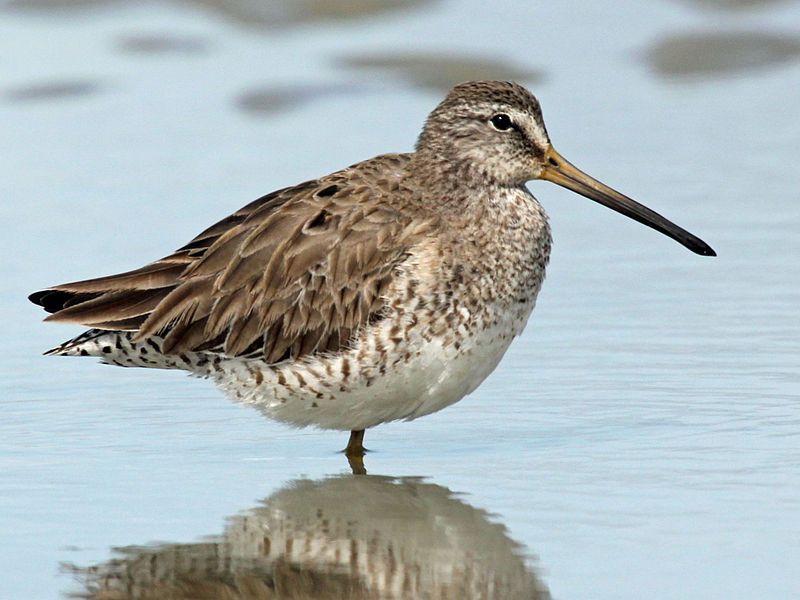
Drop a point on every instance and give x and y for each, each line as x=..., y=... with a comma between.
x=720, y=53
x=439, y=71
x=731, y=5
x=271, y=99
x=273, y=14
x=162, y=43
x=56, y=89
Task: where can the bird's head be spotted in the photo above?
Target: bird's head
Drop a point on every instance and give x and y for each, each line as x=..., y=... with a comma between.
x=493, y=133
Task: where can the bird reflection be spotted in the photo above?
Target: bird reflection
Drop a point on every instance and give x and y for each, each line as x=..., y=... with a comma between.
x=364, y=537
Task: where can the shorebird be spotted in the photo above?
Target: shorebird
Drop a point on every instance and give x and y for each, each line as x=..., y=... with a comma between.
x=387, y=290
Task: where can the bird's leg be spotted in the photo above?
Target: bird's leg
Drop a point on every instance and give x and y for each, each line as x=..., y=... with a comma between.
x=354, y=445
x=355, y=452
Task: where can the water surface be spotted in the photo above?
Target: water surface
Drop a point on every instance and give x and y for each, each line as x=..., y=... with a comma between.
x=640, y=439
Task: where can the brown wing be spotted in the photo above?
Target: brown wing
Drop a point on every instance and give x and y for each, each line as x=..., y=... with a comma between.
x=295, y=272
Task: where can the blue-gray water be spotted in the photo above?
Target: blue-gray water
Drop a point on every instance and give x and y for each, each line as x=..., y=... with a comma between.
x=640, y=440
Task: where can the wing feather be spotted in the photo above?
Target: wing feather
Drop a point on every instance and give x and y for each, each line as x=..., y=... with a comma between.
x=294, y=273
x=112, y=306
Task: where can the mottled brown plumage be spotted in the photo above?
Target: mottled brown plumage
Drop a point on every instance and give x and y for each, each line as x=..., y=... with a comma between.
x=294, y=273
x=384, y=291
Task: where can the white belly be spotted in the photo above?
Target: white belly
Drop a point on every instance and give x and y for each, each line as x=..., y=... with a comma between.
x=436, y=375
x=440, y=339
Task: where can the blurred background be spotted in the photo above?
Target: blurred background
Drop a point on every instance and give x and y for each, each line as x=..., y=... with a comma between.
x=640, y=440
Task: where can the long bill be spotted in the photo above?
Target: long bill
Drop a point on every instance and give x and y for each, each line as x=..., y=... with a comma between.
x=560, y=171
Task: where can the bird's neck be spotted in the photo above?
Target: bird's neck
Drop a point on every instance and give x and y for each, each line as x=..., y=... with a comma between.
x=459, y=183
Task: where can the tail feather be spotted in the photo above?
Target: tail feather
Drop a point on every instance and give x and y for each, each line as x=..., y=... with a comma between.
x=117, y=348
x=73, y=347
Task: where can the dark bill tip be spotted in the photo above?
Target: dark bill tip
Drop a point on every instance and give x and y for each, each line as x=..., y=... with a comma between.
x=560, y=171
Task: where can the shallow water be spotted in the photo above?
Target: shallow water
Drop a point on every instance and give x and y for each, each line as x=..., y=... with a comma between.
x=640, y=440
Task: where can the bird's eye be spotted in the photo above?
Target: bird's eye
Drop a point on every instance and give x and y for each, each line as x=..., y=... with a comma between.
x=501, y=122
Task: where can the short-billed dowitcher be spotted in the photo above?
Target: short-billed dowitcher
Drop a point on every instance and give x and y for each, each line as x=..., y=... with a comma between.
x=384, y=291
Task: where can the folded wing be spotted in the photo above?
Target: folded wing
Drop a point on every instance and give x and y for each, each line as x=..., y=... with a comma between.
x=296, y=272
